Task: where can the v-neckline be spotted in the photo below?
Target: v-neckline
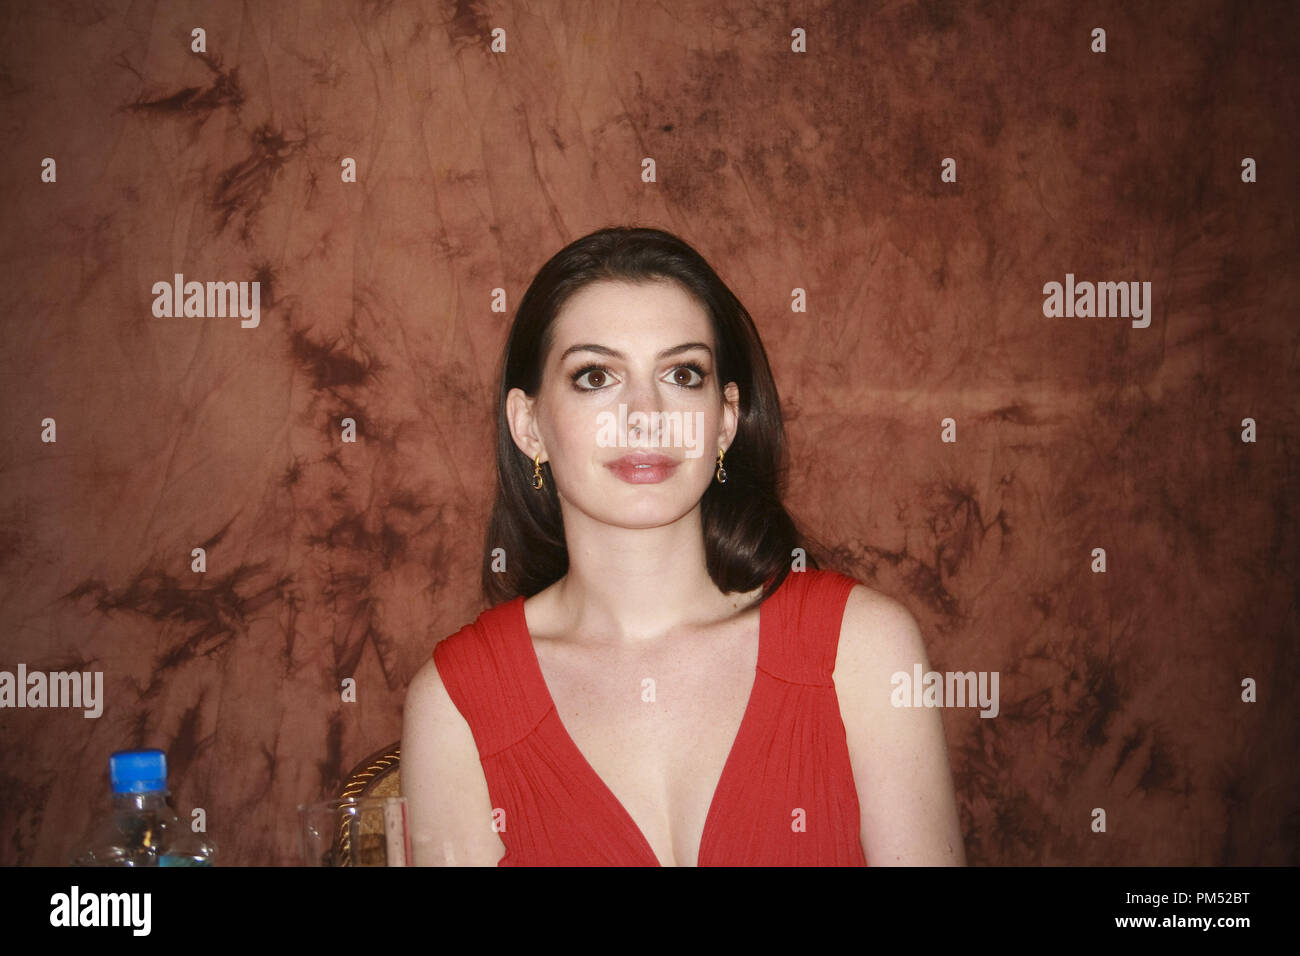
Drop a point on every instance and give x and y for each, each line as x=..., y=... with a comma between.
x=535, y=665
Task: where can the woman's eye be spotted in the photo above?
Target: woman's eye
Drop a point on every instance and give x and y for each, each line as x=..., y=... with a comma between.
x=682, y=376
x=596, y=381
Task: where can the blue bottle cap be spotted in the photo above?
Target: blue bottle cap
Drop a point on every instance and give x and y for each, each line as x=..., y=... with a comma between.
x=138, y=771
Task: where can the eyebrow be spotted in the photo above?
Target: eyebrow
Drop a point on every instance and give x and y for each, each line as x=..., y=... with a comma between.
x=612, y=353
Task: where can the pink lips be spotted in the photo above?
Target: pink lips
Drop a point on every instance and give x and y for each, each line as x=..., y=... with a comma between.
x=654, y=468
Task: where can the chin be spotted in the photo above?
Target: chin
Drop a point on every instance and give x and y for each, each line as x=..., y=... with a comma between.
x=647, y=514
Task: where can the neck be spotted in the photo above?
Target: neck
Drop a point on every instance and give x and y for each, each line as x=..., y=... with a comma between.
x=637, y=585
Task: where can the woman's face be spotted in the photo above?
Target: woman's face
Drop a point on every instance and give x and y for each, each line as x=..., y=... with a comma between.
x=630, y=379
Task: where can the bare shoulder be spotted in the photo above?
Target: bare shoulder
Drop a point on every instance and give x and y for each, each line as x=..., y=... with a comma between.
x=427, y=689
x=429, y=706
x=907, y=804
x=878, y=633
x=442, y=777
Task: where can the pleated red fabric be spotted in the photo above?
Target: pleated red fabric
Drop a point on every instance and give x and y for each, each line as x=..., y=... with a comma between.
x=786, y=796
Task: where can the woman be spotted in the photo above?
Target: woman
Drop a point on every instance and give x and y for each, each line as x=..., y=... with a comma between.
x=620, y=704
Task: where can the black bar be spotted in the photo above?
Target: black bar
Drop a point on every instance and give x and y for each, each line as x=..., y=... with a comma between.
x=336, y=906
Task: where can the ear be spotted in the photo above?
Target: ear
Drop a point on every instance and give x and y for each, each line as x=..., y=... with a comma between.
x=521, y=414
x=730, y=415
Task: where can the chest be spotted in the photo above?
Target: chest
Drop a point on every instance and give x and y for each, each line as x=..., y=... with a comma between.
x=657, y=724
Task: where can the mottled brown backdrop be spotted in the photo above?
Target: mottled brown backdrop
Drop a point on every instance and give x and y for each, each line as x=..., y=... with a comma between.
x=818, y=171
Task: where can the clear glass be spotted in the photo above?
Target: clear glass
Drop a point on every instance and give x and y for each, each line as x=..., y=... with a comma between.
x=143, y=830
x=369, y=831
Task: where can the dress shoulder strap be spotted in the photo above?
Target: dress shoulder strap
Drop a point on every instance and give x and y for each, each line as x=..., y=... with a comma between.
x=485, y=673
x=802, y=626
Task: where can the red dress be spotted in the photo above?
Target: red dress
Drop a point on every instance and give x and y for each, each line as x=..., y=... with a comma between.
x=790, y=753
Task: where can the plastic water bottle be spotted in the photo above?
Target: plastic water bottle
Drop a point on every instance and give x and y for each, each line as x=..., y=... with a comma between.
x=143, y=829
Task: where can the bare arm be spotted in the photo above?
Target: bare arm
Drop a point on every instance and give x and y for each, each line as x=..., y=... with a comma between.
x=899, y=754
x=442, y=780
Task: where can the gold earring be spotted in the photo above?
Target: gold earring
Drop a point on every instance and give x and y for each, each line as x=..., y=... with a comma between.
x=538, y=480
x=721, y=473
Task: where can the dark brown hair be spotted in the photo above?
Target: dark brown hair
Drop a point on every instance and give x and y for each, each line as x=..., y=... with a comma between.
x=748, y=535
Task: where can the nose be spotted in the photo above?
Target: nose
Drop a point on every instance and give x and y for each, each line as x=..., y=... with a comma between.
x=644, y=398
